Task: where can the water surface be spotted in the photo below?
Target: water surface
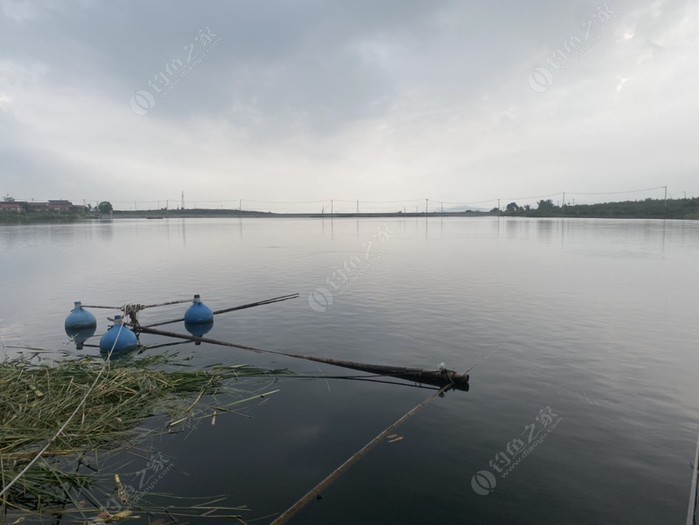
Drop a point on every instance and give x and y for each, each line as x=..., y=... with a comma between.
x=594, y=319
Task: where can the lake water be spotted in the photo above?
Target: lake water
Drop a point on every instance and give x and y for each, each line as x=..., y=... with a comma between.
x=584, y=333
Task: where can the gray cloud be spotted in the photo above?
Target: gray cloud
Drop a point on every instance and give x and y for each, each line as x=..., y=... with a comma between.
x=314, y=100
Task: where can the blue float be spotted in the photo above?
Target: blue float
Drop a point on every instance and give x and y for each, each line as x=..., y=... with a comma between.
x=198, y=313
x=198, y=329
x=79, y=318
x=119, y=338
x=80, y=325
x=80, y=336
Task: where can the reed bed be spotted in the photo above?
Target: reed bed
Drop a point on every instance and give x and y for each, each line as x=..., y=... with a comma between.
x=101, y=408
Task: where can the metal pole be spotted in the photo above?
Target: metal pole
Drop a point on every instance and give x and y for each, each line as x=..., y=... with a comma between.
x=357, y=206
x=563, y=203
x=693, y=491
x=332, y=207
x=316, y=491
x=427, y=205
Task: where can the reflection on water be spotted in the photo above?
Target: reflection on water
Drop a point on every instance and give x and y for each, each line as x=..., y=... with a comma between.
x=595, y=319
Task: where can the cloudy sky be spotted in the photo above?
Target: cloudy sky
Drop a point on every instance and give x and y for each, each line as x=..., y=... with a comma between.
x=311, y=100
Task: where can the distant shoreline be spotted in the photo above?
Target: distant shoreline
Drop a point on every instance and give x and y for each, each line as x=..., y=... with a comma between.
x=260, y=215
x=671, y=209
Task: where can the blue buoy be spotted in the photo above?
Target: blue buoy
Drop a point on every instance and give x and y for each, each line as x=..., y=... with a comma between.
x=198, y=313
x=119, y=338
x=80, y=325
x=79, y=318
x=80, y=336
x=198, y=329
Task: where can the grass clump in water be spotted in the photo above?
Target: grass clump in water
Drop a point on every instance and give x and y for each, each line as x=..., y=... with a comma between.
x=64, y=411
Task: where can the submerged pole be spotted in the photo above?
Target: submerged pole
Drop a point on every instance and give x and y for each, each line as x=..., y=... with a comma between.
x=693, y=491
x=316, y=491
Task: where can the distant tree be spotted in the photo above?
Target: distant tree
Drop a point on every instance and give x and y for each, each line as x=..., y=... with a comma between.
x=8, y=198
x=526, y=207
x=513, y=207
x=495, y=210
x=546, y=205
x=105, y=207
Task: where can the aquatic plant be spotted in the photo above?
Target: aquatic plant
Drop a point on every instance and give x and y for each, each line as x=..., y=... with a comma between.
x=55, y=415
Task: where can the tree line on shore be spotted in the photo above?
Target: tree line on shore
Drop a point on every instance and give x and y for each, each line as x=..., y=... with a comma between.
x=647, y=208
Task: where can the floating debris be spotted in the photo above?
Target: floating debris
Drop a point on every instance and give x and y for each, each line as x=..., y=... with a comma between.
x=98, y=407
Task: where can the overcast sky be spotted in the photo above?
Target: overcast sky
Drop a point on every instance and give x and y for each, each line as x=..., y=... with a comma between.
x=306, y=100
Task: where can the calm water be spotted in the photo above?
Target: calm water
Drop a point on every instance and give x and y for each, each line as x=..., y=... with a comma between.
x=594, y=319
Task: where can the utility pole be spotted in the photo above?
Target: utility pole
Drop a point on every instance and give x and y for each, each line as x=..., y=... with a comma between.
x=240, y=205
x=357, y=206
x=182, y=205
x=498, y=206
x=332, y=207
x=563, y=203
x=665, y=200
x=442, y=207
x=427, y=205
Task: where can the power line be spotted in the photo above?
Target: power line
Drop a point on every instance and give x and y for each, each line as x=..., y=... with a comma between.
x=615, y=192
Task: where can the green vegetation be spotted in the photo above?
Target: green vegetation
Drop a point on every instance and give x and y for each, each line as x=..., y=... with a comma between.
x=40, y=217
x=644, y=209
x=105, y=207
x=100, y=407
